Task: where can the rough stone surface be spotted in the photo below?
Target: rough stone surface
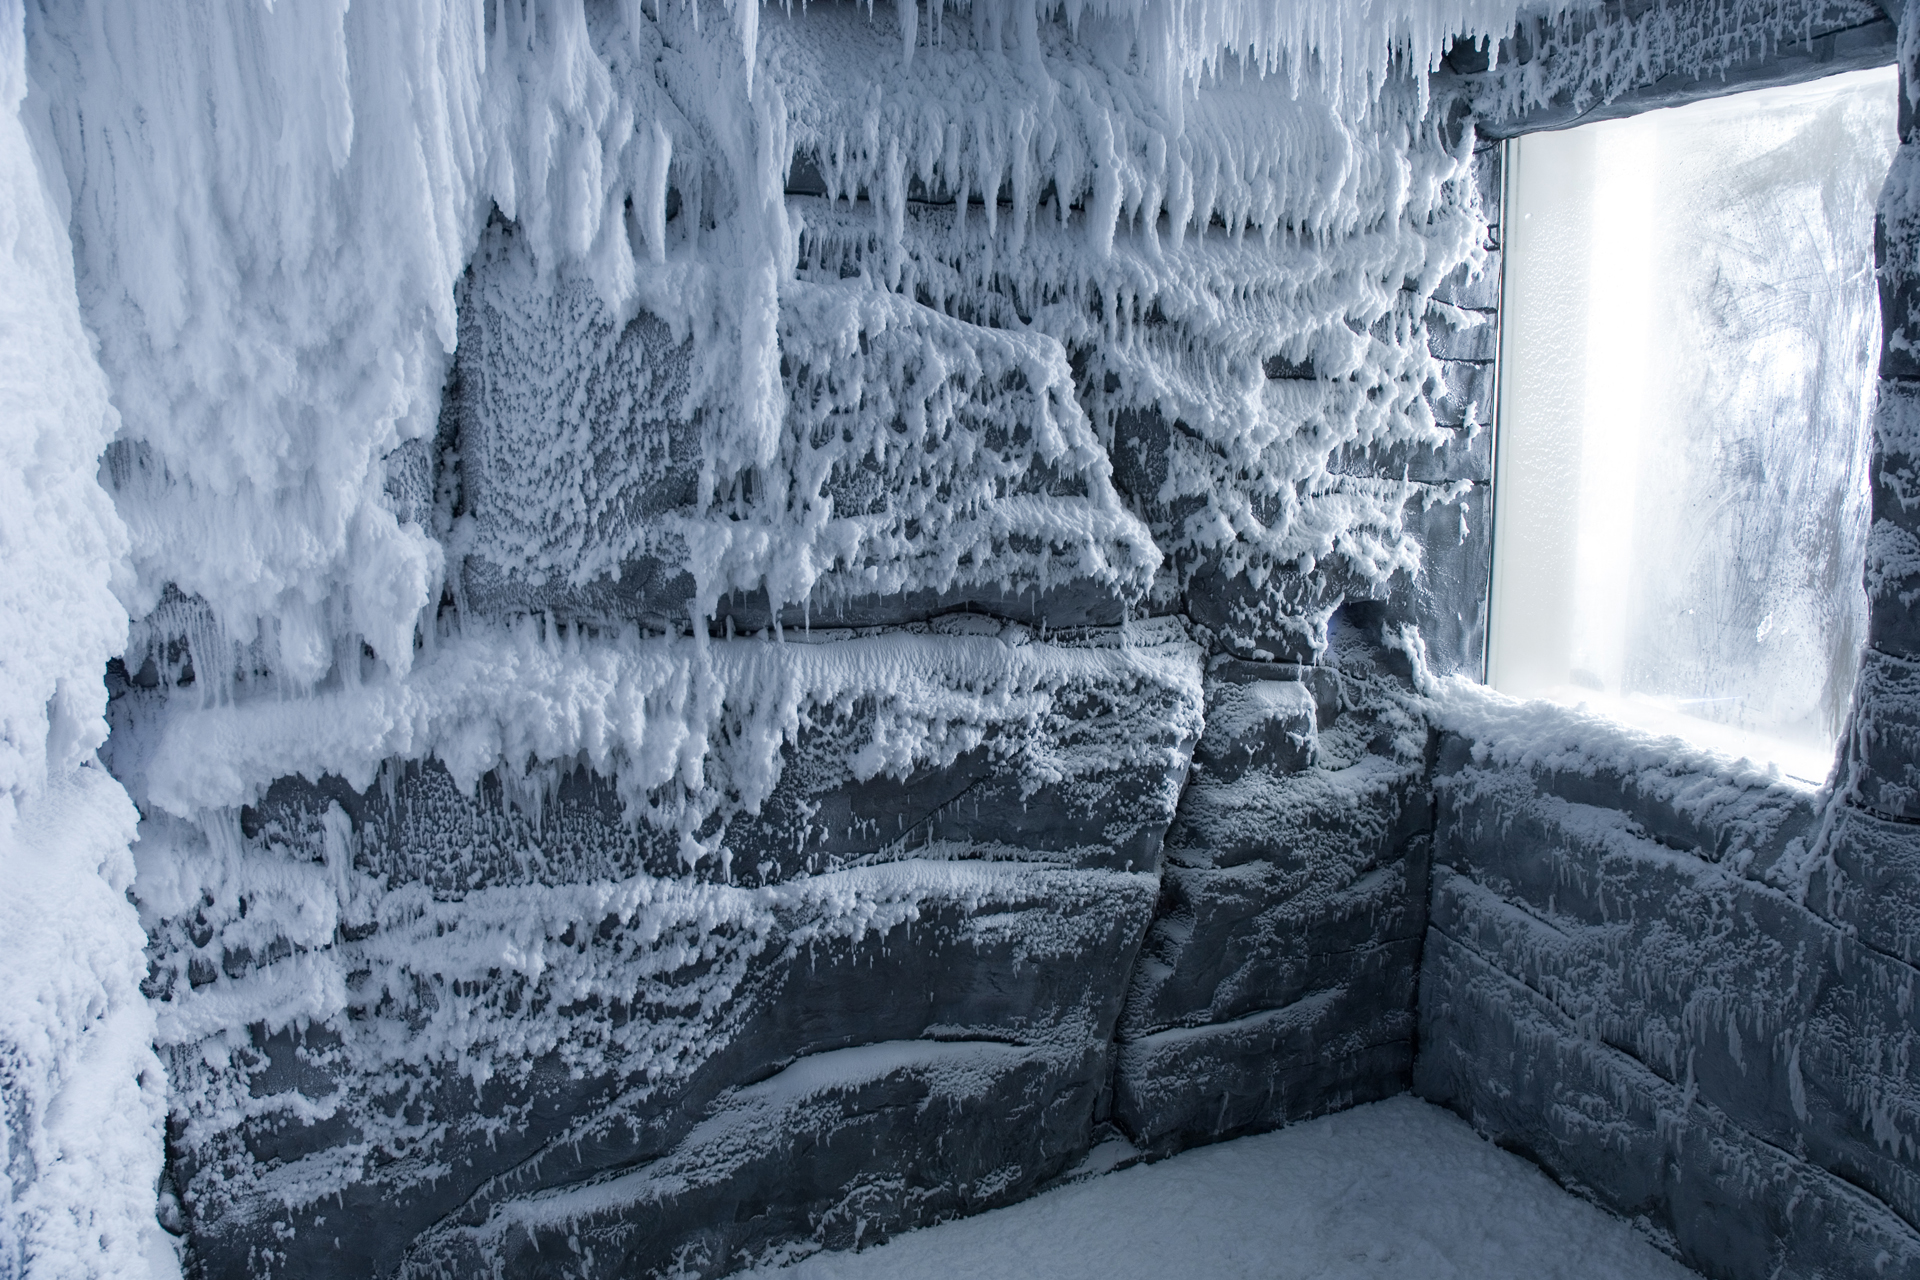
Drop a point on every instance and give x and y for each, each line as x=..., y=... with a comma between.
x=1277, y=980
x=1621, y=58
x=898, y=1006
x=1601, y=1122
x=557, y=1047
x=1576, y=955
x=907, y=1134
x=1882, y=748
x=1330, y=1050
x=1893, y=547
x=1868, y=881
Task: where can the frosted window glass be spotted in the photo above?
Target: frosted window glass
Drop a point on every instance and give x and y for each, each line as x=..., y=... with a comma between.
x=1689, y=330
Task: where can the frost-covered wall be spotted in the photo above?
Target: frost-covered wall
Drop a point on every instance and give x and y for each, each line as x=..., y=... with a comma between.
x=753, y=627
x=1686, y=988
x=684, y=563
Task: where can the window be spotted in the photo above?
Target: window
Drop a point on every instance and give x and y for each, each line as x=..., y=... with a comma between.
x=1689, y=333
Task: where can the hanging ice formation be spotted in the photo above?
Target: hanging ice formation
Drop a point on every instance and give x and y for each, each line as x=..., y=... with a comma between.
x=481, y=368
x=909, y=383
x=272, y=274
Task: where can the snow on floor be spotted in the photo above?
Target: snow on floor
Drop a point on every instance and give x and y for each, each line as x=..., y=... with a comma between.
x=1395, y=1189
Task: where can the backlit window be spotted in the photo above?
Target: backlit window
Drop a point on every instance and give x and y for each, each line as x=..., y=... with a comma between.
x=1689, y=333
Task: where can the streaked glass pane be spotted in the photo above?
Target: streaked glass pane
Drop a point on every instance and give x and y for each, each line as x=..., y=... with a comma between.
x=1690, y=326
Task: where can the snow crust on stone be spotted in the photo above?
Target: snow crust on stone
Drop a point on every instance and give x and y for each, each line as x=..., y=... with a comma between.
x=81, y=1090
x=393, y=984
x=737, y=1131
x=1736, y=797
x=479, y=984
x=648, y=711
x=84, y=1093
x=1584, y=60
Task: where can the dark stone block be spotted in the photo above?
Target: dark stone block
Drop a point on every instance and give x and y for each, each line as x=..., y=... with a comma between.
x=1893, y=589
x=1033, y=960
x=1896, y=452
x=1712, y=981
x=1457, y=334
x=1466, y=394
x=1447, y=600
x=1465, y=454
x=1867, y=879
x=1279, y=877
x=1271, y=723
x=1277, y=979
x=1692, y=51
x=1353, y=818
x=1283, y=619
x=904, y=1133
x=1893, y=547
x=1232, y=942
x=1323, y=683
x=1521, y=1071
x=1471, y=290
x=1880, y=768
x=1749, y=823
x=1896, y=243
x=1336, y=1048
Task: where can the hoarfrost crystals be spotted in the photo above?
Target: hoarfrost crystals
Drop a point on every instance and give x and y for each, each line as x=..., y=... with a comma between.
x=272, y=273
x=81, y=1092
x=285, y=218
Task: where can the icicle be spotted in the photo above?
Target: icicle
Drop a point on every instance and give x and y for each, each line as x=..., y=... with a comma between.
x=746, y=15
x=652, y=202
x=893, y=207
x=909, y=11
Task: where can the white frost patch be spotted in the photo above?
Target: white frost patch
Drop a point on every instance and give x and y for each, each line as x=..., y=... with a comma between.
x=1704, y=786
x=1397, y=1190
x=644, y=708
x=81, y=1092
x=60, y=542
x=82, y=1095
x=275, y=204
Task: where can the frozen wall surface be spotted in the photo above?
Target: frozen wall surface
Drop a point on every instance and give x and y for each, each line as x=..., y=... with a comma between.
x=680, y=561
x=736, y=628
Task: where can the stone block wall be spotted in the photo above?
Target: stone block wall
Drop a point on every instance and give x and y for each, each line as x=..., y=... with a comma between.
x=1277, y=980
x=1078, y=796
x=897, y=1007
x=814, y=911
x=1628, y=977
